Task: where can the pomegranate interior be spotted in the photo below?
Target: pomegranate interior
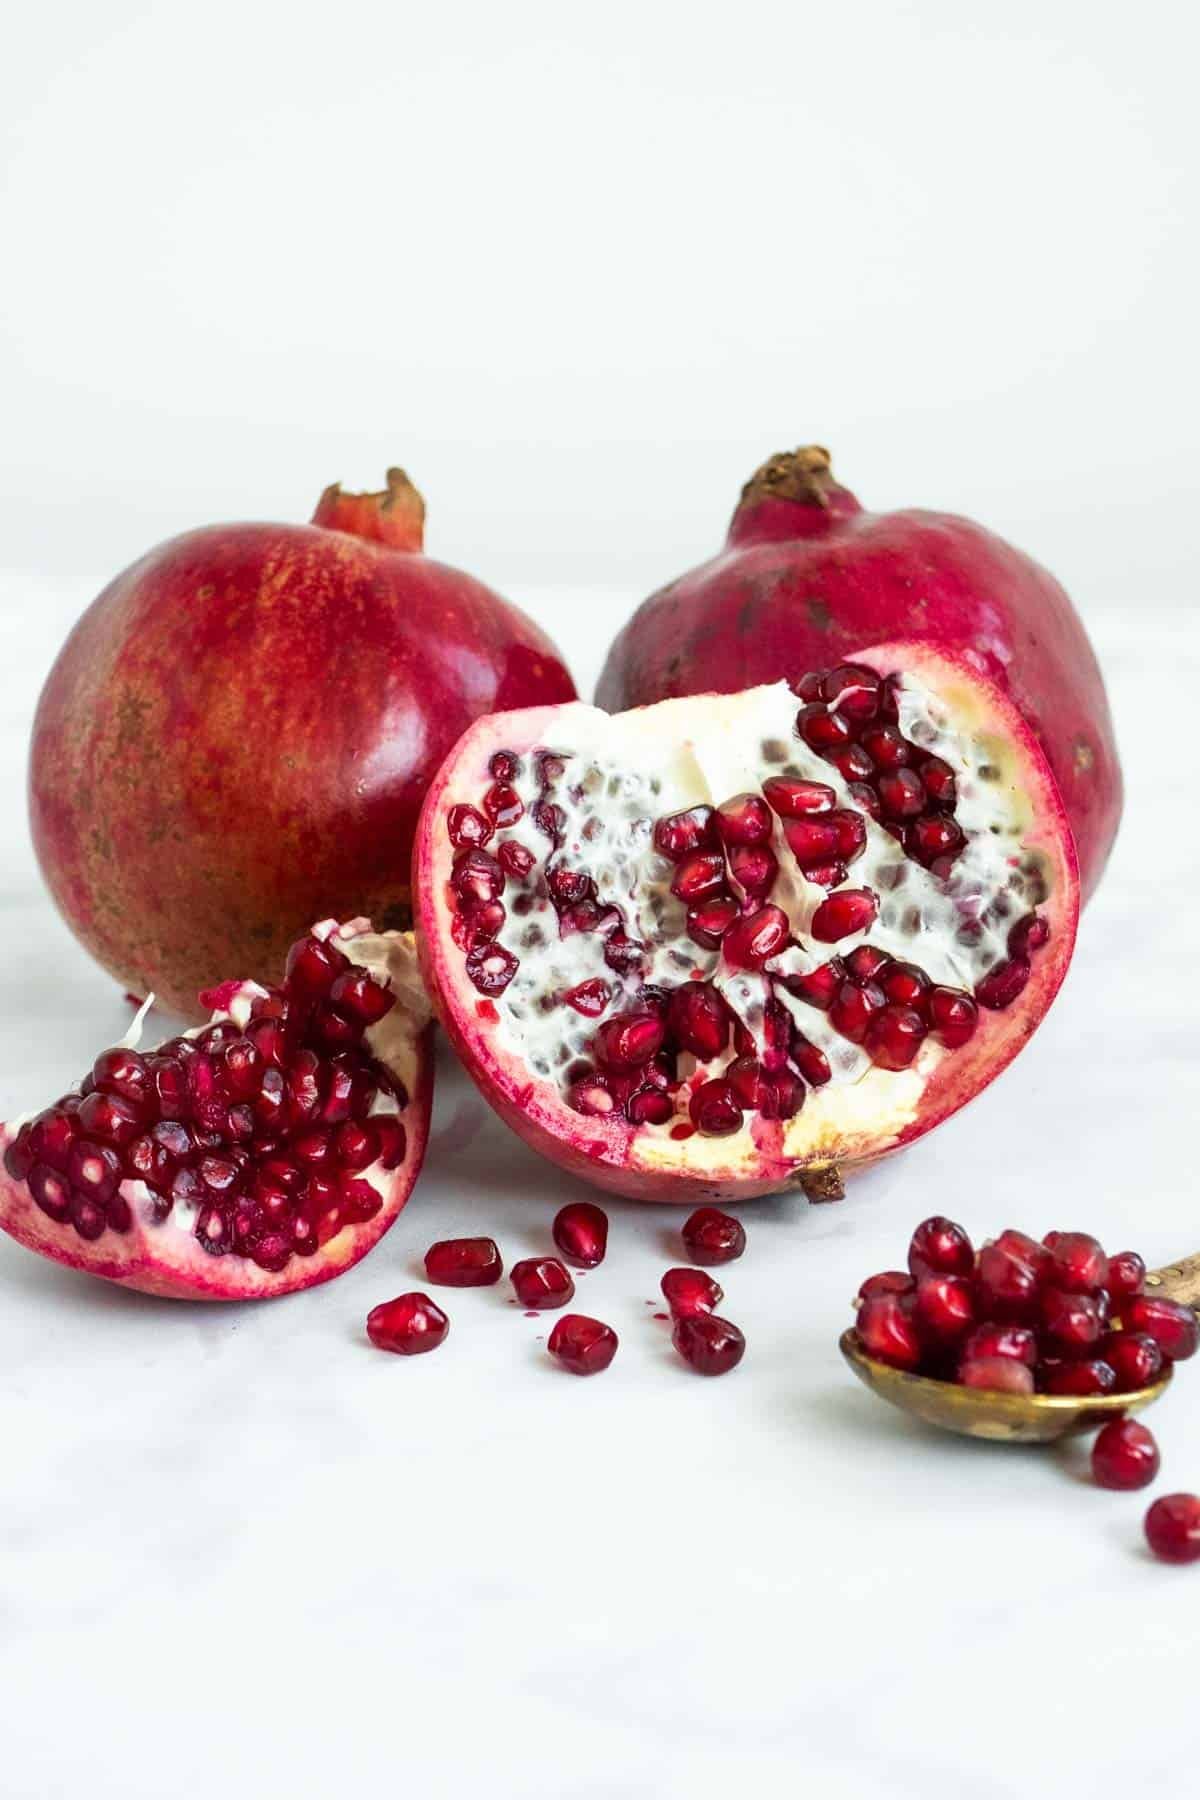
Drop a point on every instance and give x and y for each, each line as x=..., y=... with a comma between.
x=264, y=1134
x=823, y=879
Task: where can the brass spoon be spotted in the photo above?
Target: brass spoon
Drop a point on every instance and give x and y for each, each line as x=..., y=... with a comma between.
x=1018, y=1418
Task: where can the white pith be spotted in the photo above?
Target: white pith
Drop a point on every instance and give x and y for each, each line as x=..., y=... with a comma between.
x=704, y=750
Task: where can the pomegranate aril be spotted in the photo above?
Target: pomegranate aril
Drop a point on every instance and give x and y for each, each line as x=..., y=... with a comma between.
x=808, y=685
x=18, y=1157
x=853, y=689
x=359, y=997
x=905, y=984
x=629, y=1041
x=503, y=805
x=714, y=1109
x=52, y=1136
x=312, y=967
x=744, y=820
x=888, y=1281
x=819, y=987
x=515, y=859
x=541, y=1282
x=1125, y=1456
x=752, y=940
x=929, y=838
x=793, y=799
x=1070, y=1323
x=843, y=914
x=580, y=1232
x=708, y=922
x=901, y=794
x=953, y=1016
x=355, y=1145
x=476, y=878
x=649, y=1106
x=1081, y=1379
x=467, y=827
x=1126, y=1274
x=51, y=1191
x=690, y=1291
x=894, y=1036
x=993, y=1340
x=886, y=747
x=124, y=1072
x=1172, y=1528
x=1076, y=1262
x=393, y=1140
x=939, y=781
x=1003, y=984
x=812, y=1063
x=699, y=876
x=698, y=1020
x=811, y=841
x=590, y=997
x=361, y=1202
x=822, y=729
x=681, y=833
x=1028, y=934
x=754, y=868
x=504, y=765
x=110, y=1118
x=850, y=833
x=996, y=1374
x=711, y=1237
x=568, y=886
x=491, y=967
x=594, y=1096
x=1173, y=1327
x=866, y=799
x=582, y=1345
x=853, y=1008
x=943, y=1308
x=1134, y=1358
x=851, y=762
x=707, y=1344
x=464, y=1262
x=886, y=1331
x=1008, y=1284
x=408, y=1325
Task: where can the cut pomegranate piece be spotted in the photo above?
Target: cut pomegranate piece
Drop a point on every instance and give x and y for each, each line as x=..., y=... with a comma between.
x=263, y=1153
x=1173, y=1528
x=665, y=1000
x=582, y=1345
x=409, y=1325
x=1125, y=1455
x=541, y=1282
x=688, y=1291
x=464, y=1262
x=711, y=1237
x=580, y=1232
x=707, y=1344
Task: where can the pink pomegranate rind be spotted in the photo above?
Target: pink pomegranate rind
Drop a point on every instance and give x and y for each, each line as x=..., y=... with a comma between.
x=237, y=736
x=683, y=1138
x=152, y=1242
x=807, y=575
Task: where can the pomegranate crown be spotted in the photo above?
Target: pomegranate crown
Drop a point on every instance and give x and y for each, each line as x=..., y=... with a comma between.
x=792, y=495
x=394, y=516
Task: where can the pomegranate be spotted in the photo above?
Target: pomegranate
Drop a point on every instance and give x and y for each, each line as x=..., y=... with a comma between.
x=324, y=669
x=807, y=576
x=707, y=1344
x=262, y=1153
x=1125, y=1455
x=409, y=1325
x=724, y=1048
x=582, y=1345
x=1173, y=1528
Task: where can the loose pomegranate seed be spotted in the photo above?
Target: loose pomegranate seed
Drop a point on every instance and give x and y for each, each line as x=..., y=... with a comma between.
x=749, y=942
x=798, y=799
x=682, y=833
x=714, y=1109
x=707, y=1344
x=940, y=1247
x=1003, y=984
x=711, y=1237
x=541, y=1282
x=894, y=1036
x=887, y=1333
x=1126, y=1274
x=1077, y=1262
x=408, y=1325
x=952, y=1016
x=1081, y=1379
x=1173, y=1528
x=1124, y=1455
x=689, y=1291
x=999, y=1374
x=1070, y=1323
x=628, y=1042
x=1008, y=1284
x=744, y=820
x=1134, y=1357
x=843, y=914
x=699, y=876
x=464, y=1262
x=943, y=1308
x=1173, y=1327
x=888, y=1281
x=1001, y=1340
x=580, y=1232
x=582, y=1345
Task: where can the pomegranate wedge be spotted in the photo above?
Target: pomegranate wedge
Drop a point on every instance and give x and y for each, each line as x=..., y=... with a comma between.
x=264, y=1152
x=792, y=962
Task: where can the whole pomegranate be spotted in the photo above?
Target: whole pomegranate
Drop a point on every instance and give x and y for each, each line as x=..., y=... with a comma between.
x=237, y=735
x=806, y=576
x=728, y=943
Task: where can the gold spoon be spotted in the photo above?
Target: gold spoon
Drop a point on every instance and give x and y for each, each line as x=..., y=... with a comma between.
x=1018, y=1418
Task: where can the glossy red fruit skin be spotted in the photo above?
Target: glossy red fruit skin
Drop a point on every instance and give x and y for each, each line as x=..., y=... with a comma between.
x=707, y=1344
x=1172, y=1528
x=580, y=1233
x=711, y=1237
x=807, y=577
x=409, y=1325
x=464, y=1262
x=541, y=1282
x=1125, y=1456
x=583, y=1346
x=200, y=676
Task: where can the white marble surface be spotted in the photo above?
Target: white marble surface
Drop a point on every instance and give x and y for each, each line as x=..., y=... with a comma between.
x=246, y=1555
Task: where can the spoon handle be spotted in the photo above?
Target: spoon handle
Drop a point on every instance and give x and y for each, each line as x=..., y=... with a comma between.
x=1178, y=1281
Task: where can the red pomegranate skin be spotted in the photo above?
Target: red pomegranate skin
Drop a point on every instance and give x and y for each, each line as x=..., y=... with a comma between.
x=237, y=736
x=807, y=575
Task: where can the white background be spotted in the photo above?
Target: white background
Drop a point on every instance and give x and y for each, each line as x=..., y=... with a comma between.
x=580, y=272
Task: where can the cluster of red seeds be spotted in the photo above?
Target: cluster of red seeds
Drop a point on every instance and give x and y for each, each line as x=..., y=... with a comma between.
x=1055, y=1317
x=413, y=1323
x=265, y=1131
x=724, y=871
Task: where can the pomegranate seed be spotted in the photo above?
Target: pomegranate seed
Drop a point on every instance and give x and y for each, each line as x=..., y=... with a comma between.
x=866, y=963
x=939, y=781
x=1134, y=1357
x=541, y=1282
x=714, y=1110
x=476, y=878
x=708, y=922
x=699, y=876
x=822, y=729
x=1078, y=1264
x=999, y=1374
x=1124, y=1456
x=885, y=746
x=888, y=1281
x=125, y=1073
x=504, y=765
x=1001, y=1340
x=887, y=1333
x=751, y=941
x=1172, y=1528
x=905, y=985
x=1081, y=1379
x=503, y=805
x=698, y=1020
x=851, y=762
x=711, y=1237
x=798, y=799
x=754, y=868
x=467, y=828
x=1027, y=935
x=1071, y=1323
x=844, y=913
x=590, y=998
x=707, y=1344
x=580, y=1232
x=853, y=689
x=854, y=1007
x=649, y=1106
x=568, y=886
x=690, y=1291
x=93, y=1169
x=850, y=830
x=812, y=1063
x=582, y=1345
x=819, y=986
x=629, y=1041
x=943, y=1308
x=491, y=967
x=515, y=859
x=50, y=1191
x=894, y=1036
x=929, y=838
x=464, y=1262
x=744, y=820
x=1003, y=984
x=313, y=967
x=18, y=1157
x=1173, y=1327
x=1126, y=1274
x=408, y=1325
x=1008, y=1284
x=682, y=833
x=808, y=686
x=826, y=874
x=592, y=1096
x=901, y=794
x=953, y=1016
x=812, y=840
x=866, y=799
